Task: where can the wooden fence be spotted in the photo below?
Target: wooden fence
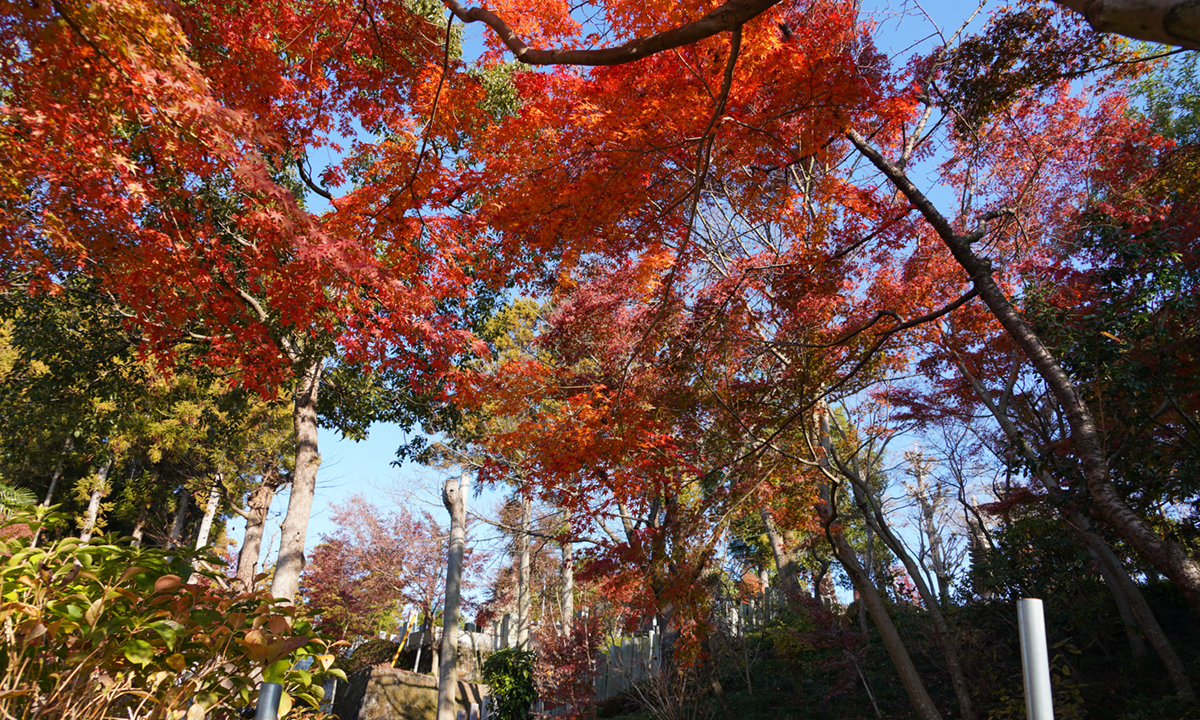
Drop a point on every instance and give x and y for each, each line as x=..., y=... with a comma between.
x=634, y=658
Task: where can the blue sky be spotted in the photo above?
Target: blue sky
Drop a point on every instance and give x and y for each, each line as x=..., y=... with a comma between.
x=366, y=467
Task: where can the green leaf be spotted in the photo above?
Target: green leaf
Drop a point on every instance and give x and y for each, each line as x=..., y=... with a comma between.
x=168, y=630
x=93, y=611
x=277, y=671
x=207, y=699
x=139, y=652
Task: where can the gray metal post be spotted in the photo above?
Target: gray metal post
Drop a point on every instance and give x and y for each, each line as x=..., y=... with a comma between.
x=268, y=701
x=1035, y=660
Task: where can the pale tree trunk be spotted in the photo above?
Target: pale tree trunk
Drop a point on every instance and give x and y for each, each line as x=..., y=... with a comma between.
x=139, y=530
x=304, y=485
x=568, y=587
x=945, y=637
x=1170, y=22
x=523, y=576
x=1131, y=603
x=930, y=502
x=454, y=498
x=99, y=490
x=210, y=512
x=785, y=559
x=1168, y=557
x=872, y=513
x=255, y=515
x=176, y=535
x=868, y=594
x=68, y=444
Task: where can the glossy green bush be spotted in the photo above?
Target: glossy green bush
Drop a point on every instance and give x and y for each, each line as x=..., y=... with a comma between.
x=102, y=630
x=509, y=675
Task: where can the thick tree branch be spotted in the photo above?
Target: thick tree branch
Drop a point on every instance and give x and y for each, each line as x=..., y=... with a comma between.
x=309, y=181
x=726, y=17
x=1170, y=22
x=1168, y=557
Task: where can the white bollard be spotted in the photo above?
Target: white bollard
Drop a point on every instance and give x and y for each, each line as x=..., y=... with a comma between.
x=1035, y=660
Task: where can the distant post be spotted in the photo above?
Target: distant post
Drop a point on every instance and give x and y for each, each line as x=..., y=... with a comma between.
x=1035, y=660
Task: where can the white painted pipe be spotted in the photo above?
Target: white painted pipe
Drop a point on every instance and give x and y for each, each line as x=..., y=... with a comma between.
x=1035, y=660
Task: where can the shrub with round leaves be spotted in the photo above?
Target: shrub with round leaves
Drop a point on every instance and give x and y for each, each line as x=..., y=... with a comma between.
x=509, y=675
x=101, y=630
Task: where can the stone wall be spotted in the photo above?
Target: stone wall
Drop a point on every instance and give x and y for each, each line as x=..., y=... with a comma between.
x=384, y=693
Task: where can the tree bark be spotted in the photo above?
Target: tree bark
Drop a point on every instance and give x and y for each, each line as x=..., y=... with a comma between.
x=568, y=587
x=729, y=16
x=872, y=513
x=1168, y=557
x=1137, y=644
x=258, y=505
x=210, y=512
x=453, y=497
x=181, y=510
x=868, y=595
x=1125, y=592
x=290, y=562
x=99, y=490
x=68, y=444
x=139, y=529
x=786, y=565
x=523, y=575
x=1170, y=22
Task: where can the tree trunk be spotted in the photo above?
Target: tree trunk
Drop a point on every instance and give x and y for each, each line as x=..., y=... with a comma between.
x=523, y=576
x=872, y=513
x=258, y=505
x=139, y=529
x=568, y=588
x=1125, y=592
x=785, y=559
x=176, y=534
x=868, y=595
x=68, y=444
x=99, y=490
x=290, y=562
x=1170, y=22
x=1137, y=644
x=453, y=497
x=210, y=512
x=1168, y=557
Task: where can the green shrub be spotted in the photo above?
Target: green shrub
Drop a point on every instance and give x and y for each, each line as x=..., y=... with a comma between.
x=509, y=674
x=101, y=630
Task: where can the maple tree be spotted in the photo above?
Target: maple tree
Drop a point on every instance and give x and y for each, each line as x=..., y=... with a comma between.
x=692, y=202
x=378, y=562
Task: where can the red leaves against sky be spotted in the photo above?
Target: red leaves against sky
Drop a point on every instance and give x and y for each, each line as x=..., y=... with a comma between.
x=712, y=261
